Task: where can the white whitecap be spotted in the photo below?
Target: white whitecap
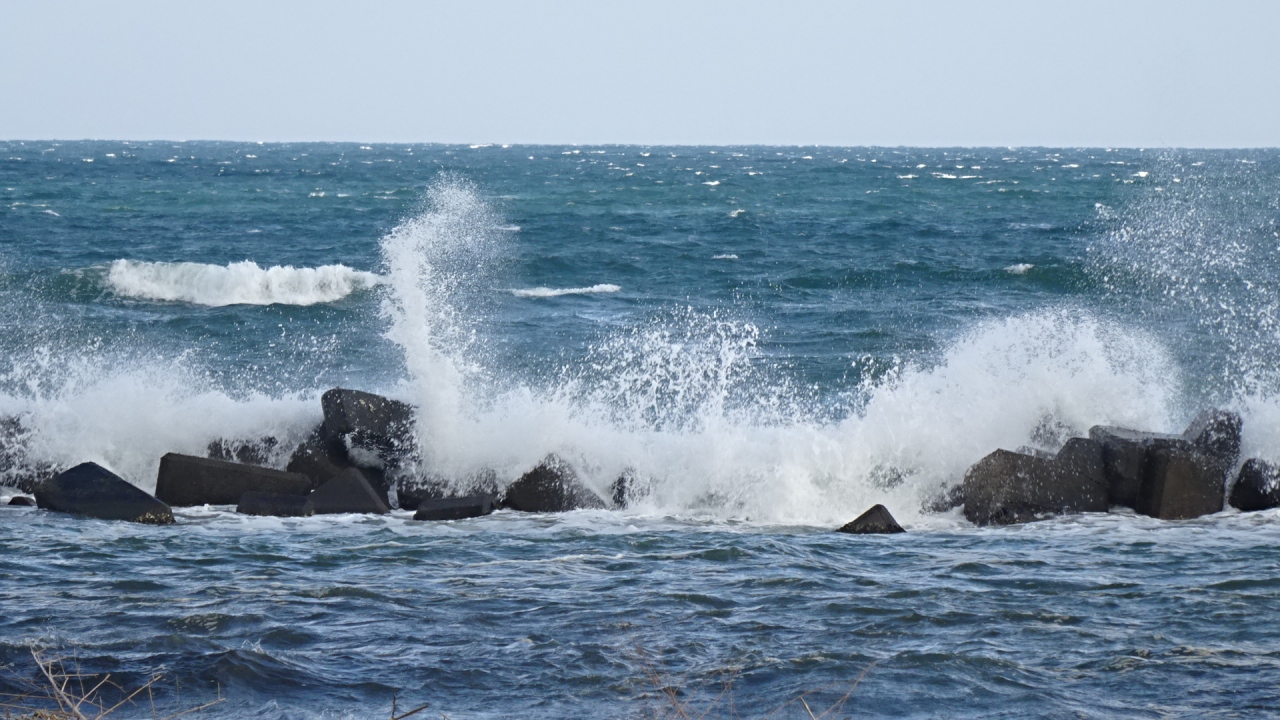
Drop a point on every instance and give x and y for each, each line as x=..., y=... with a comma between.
x=726, y=256
x=546, y=292
x=240, y=283
x=1019, y=268
x=712, y=183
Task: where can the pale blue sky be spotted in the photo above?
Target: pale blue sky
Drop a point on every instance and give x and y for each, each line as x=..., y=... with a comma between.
x=1110, y=73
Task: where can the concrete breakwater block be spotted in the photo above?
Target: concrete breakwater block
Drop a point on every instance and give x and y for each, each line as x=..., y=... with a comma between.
x=185, y=480
x=876, y=521
x=250, y=452
x=21, y=501
x=93, y=491
x=1137, y=463
x=552, y=486
x=1007, y=487
x=1181, y=484
x=275, y=505
x=348, y=492
x=367, y=421
x=323, y=460
x=458, y=508
x=1257, y=486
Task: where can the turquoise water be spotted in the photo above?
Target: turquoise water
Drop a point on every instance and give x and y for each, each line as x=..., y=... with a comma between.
x=772, y=339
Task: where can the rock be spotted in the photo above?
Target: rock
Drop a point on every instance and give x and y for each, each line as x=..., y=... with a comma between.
x=348, y=492
x=185, y=480
x=275, y=504
x=368, y=421
x=552, y=486
x=412, y=491
x=1127, y=453
x=876, y=521
x=946, y=500
x=1180, y=484
x=1257, y=486
x=322, y=460
x=1007, y=487
x=17, y=468
x=249, y=452
x=92, y=490
x=21, y=501
x=454, y=508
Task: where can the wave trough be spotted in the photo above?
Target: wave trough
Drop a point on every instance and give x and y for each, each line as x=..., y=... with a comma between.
x=240, y=283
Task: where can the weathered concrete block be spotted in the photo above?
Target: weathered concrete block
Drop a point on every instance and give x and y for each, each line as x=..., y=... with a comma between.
x=876, y=521
x=91, y=490
x=348, y=492
x=1257, y=486
x=454, y=508
x=1125, y=454
x=369, y=421
x=275, y=505
x=185, y=480
x=1181, y=484
x=552, y=486
x=1007, y=487
x=322, y=460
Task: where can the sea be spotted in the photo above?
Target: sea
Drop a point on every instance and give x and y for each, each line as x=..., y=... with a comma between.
x=768, y=340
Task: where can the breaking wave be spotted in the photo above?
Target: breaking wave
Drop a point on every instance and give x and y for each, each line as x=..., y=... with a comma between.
x=546, y=292
x=240, y=283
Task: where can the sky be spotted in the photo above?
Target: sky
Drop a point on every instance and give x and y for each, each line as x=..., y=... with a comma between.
x=795, y=72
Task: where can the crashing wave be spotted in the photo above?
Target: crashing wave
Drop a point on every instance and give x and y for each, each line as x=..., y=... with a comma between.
x=241, y=283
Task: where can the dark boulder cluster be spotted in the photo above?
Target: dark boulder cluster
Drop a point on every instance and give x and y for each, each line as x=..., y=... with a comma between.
x=1170, y=477
x=358, y=460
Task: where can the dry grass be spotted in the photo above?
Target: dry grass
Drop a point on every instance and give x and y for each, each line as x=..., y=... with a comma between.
x=63, y=692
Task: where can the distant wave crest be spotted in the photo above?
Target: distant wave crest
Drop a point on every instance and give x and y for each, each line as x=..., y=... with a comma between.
x=546, y=292
x=240, y=283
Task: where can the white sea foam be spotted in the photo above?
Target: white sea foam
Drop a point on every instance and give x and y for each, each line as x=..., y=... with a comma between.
x=240, y=283
x=1019, y=268
x=546, y=292
x=725, y=256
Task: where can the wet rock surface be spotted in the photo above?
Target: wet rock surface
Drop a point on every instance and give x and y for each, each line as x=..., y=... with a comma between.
x=275, y=505
x=1007, y=487
x=1257, y=486
x=876, y=521
x=552, y=486
x=93, y=491
x=184, y=480
x=348, y=492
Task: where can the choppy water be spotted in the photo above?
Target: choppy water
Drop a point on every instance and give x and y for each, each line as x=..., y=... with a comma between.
x=772, y=338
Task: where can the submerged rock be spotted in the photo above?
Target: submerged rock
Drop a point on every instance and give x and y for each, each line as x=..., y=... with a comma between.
x=185, y=480
x=275, y=505
x=454, y=508
x=348, y=492
x=876, y=521
x=91, y=490
x=21, y=501
x=552, y=486
x=1007, y=487
x=1257, y=486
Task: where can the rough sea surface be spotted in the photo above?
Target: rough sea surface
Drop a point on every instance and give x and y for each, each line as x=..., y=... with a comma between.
x=770, y=340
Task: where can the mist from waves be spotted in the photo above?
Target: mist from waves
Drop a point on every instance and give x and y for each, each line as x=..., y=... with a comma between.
x=687, y=405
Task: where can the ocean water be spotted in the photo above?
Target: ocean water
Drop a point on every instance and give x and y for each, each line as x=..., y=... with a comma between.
x=769, y=339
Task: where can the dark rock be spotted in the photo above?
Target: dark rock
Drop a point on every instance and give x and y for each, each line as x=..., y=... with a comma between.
x=454, y=508
x=1216, y=433
x=946, y=500
x=21, y=500
x=1180, y=484
x=1257, y=486
x=322, y=460
x=1007, y=487
x=1125, y=454
x=626, y=490
x=412, y=491
x=275, y=504
x=876, y=521
x=185, y=480
x=552, y=486
x=92, y=490
x=17, y=468
x=369, y=422
x=348, y=492
x=249, y=452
